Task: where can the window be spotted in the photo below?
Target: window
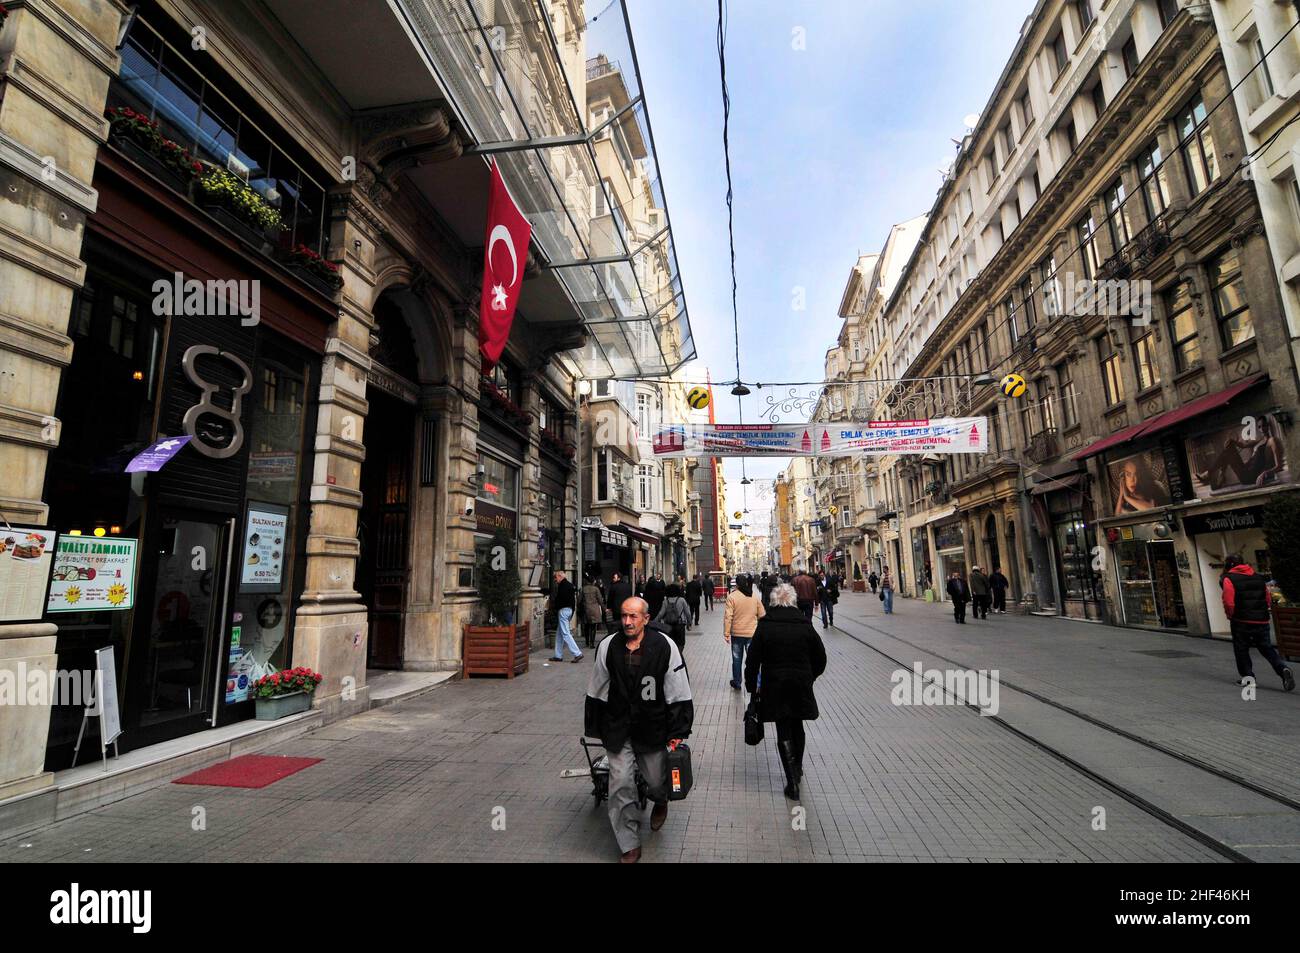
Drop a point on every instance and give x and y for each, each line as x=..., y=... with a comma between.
x=1047, y=284
x=1060, y=56
x=1084, y=9
x=982, y=343
x=1144, y=361
x=1047, y=397
x=645, y=494
x=1098, y=96
x=1030, y=422
x=500, y=482
x=1197, y=145
x=1111, y=371
x=1027, y=302
x=1008, y=141
x=846, y=518
x=1009, y=306
x=1129, y=54
x=1066, y=135
x=1168, y=10
x=1086, y=230
x=1265, y=77
x=1236, y=325
x=506, y=380
x=604, y=483
x=1154, y=181
x=1069, y=399
x=603, y=388
x=990, y=170
x=644, y=412
x=1121, y=229
x=1182, y=328
x=1026, y=109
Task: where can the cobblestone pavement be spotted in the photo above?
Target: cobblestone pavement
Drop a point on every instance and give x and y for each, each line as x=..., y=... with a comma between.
x=425, y=779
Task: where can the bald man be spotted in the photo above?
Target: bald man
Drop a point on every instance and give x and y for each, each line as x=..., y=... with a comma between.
x=639, y=705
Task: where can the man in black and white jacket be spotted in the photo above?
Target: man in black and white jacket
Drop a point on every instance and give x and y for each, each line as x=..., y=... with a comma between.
x=639, y=705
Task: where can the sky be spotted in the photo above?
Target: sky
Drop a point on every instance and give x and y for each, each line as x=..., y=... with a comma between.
x=842, y=113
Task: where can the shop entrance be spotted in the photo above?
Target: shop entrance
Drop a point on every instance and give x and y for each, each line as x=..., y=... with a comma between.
x=383, y=570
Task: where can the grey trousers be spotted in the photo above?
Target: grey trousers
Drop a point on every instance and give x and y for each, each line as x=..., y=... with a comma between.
x=624, y=815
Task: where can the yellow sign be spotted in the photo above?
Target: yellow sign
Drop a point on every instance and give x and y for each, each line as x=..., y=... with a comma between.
x=835, y=510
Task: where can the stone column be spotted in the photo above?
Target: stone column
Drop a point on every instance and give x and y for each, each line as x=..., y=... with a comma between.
x=58, y=61
x=332, y=627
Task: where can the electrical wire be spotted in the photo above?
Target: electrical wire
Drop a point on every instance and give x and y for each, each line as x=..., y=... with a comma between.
x=726, y=156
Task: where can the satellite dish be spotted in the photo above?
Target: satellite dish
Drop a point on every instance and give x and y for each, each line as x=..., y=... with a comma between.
x=971, y=120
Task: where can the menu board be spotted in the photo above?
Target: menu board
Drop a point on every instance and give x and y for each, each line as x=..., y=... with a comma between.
x=93, y=574
x=26, y=554
x=265, y=538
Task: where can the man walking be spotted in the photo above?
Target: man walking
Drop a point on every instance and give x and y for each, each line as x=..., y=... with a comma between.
x=707, y=583
x=887, y=591
x=960, y=594
x=805, y=590
x=830, y=594
x=694, y=592
x=639, y=706
x=979, y=592
x=620, y=590
x=1247, y=601
x=566, y=598
x=999, y=584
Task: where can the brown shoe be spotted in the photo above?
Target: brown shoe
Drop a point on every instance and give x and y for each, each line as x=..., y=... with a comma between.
x=631, y=857
x=658, y=816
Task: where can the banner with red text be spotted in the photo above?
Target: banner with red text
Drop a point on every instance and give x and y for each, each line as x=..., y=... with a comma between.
x=846, y=438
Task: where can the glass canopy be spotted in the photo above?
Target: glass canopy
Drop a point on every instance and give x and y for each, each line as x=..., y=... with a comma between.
x=550, y=88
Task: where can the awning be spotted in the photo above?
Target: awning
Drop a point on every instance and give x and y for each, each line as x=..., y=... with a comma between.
x=1059, y=483
x=942, y=515
x=1170, y=418
x=636, y=532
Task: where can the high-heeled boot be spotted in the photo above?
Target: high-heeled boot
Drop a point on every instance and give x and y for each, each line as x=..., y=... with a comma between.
x=786, y=750
x=797, y=757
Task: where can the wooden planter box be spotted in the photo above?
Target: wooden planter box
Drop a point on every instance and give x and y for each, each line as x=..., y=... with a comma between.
x=859, y=585
x=1286, y=630
x=151, y=163
x=495, y=650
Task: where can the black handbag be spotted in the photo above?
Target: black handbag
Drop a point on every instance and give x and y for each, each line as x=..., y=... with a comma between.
x=679, y=772
x=753, y=724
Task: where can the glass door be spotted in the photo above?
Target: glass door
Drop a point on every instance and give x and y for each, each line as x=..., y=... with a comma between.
x=173, y=657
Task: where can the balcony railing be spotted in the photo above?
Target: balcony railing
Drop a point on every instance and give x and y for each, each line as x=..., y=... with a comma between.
x=1043, y=446
x=600, y=66
x=1141, y=250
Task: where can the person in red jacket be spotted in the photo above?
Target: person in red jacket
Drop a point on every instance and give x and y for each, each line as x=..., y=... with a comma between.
x=1246, y=601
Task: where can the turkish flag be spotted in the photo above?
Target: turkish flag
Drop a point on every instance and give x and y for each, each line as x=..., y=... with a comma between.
x=504, y=257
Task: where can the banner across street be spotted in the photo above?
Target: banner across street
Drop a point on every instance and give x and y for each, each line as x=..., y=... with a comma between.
x=845, y=438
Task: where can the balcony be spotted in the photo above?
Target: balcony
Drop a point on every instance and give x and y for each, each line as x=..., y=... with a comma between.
x=886, y=511
x=1141, y=250
x=599, y=66
x=1043, y=446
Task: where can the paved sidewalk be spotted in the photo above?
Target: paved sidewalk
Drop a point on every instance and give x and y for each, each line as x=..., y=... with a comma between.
x=1176, y=691
x=424, y=779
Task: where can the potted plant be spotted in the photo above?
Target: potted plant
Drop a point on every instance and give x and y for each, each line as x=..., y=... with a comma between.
x=284, y=693
x=238, y=206
x=4, y=15
x=140, y=139
x=1282, y=534
x=314, y=268
x=859, y=584
x=497, y=646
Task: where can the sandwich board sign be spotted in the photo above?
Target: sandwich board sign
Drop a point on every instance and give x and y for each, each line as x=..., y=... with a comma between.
x=102, y=706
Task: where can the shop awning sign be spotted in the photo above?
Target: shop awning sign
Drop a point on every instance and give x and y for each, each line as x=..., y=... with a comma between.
x=845, y=438
x=155, y=456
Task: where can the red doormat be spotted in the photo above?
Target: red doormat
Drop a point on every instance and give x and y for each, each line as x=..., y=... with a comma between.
x=248, y=771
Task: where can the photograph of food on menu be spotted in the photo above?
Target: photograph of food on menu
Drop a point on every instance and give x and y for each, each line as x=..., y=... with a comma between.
x=263, y=547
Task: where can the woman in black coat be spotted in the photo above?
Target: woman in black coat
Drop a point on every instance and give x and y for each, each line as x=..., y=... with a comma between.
x=787, y=655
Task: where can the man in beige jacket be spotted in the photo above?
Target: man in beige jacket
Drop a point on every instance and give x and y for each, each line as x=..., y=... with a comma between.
x=739, y=620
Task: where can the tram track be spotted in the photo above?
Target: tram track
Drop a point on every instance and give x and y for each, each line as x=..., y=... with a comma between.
x=1144, y=804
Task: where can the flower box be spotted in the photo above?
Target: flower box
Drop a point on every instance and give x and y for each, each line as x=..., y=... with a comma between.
x=244, y=231
x=149, y=162
x=278, y=706
x=495, y=650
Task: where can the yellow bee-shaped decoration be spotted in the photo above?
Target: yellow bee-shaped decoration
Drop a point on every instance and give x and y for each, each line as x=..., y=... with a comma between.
x=1013, y=385
x=698, y=397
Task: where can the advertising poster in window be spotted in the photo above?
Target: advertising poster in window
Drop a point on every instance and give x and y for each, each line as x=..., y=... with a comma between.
x=1139, y=482
x=1244, y=455
x=265, y=536
x=93, y=574
x=26, y=555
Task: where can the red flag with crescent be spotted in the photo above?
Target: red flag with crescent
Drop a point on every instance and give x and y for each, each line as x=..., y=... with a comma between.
x=504, y=256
